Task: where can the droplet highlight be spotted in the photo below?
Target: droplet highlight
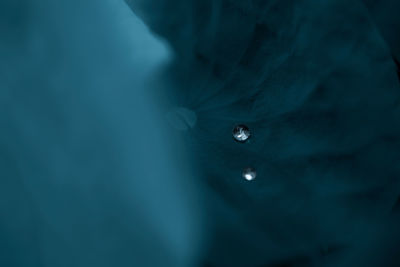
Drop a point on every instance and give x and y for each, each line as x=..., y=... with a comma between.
x=241, y=133
x=249, y=174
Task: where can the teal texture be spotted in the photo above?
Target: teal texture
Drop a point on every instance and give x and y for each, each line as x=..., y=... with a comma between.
x=116, y=144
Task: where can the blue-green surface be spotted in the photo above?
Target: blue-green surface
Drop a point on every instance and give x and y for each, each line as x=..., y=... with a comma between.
x=116, y=144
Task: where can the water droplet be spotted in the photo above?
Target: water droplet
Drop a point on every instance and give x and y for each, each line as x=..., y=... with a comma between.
x=241, y=133
x=249, y=174
x=182, y=118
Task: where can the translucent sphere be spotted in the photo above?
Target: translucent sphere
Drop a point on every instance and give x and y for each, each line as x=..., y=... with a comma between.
x=249, y=174
x=241, y=133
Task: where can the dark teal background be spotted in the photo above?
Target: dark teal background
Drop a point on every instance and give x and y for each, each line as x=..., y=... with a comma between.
x=89, y=173
x=116, y=145
x=317, y=83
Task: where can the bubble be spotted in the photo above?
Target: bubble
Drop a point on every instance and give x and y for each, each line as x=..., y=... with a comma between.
x=241, y=133
x=249, y=174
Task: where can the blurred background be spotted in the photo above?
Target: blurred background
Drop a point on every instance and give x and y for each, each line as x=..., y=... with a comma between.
x=116, y=123
x=89, y=173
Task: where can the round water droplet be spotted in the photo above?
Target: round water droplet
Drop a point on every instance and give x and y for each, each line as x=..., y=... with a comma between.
x=249, y=174
x=241, y=133
x=182, y=118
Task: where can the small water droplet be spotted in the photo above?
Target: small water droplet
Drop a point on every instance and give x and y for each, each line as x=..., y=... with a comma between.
x=182, y=118
x=249, y=174
x=241, y=133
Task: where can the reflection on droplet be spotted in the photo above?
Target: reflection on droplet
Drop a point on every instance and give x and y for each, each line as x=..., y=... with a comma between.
x=249, y=174
x=241, y=133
